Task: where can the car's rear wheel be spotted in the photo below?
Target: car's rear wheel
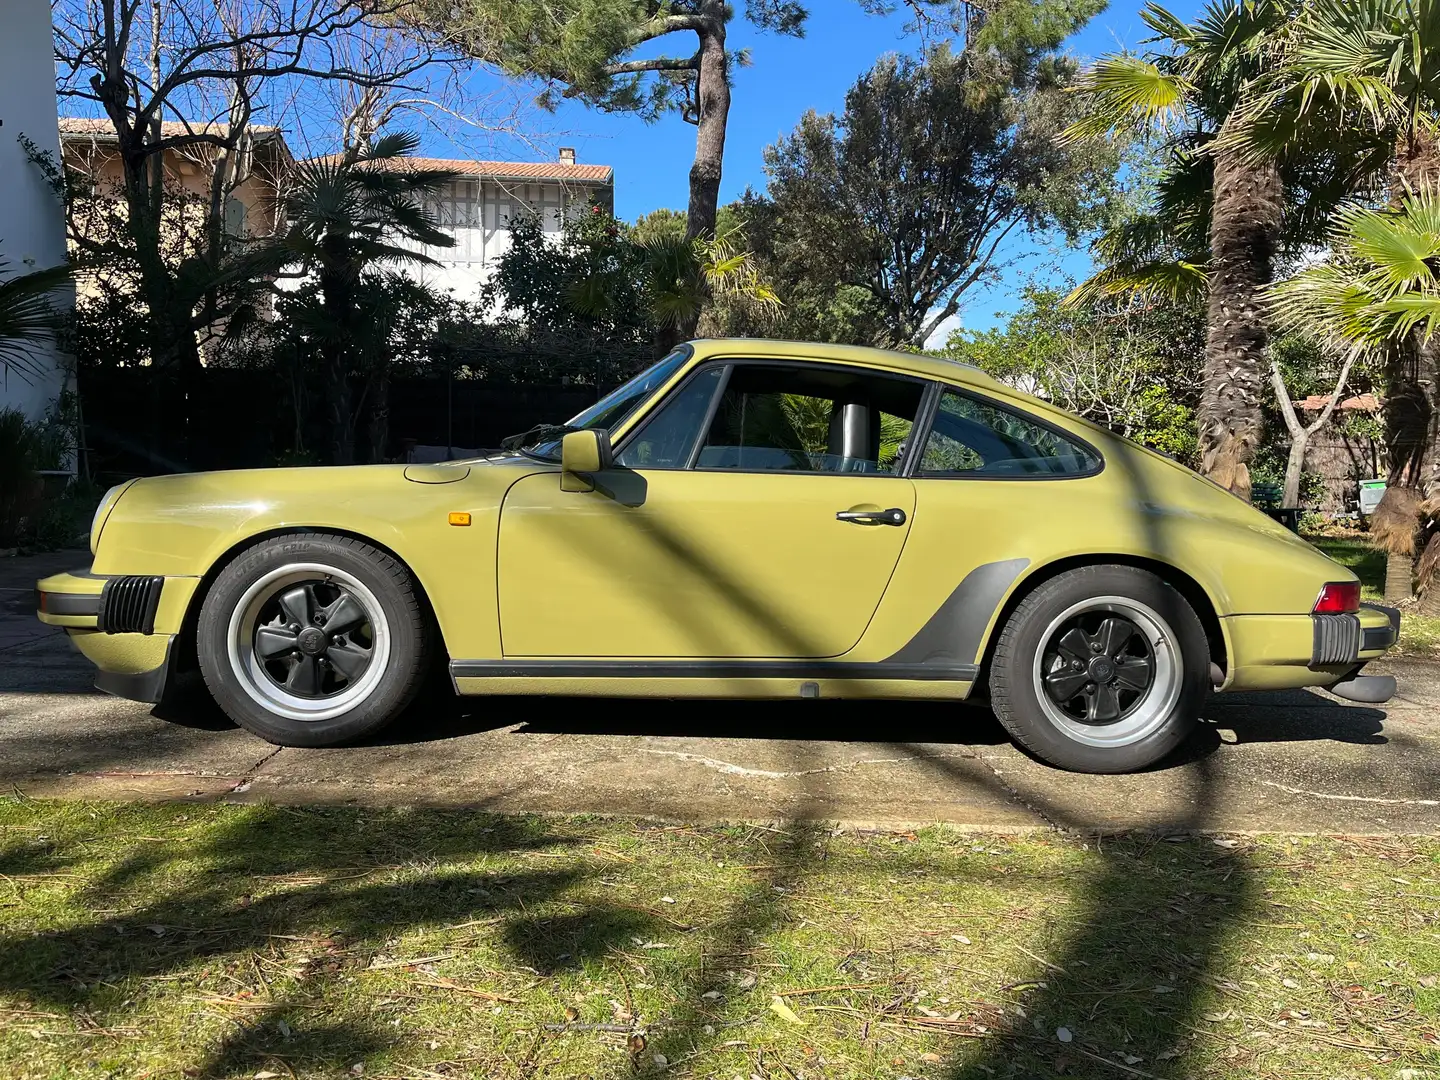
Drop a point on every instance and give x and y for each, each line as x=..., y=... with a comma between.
x=1102, y=669
x=313, y=640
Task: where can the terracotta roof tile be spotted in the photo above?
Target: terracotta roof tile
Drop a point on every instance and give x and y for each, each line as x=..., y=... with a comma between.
x=1360, y=403
x=508, y=170
x=85, y=125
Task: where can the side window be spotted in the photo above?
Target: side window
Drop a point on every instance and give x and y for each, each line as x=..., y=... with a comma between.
x=666, y=439
x=811, y=419
x=971, y=437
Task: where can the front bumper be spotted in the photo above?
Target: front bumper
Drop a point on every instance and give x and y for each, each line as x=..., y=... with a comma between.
x=125, y=625
x=1277, y=652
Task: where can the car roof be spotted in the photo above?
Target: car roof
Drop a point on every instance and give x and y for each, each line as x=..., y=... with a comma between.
x=927, y=367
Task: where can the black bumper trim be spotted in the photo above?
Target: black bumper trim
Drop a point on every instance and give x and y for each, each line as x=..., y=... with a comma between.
x=128, y=604
x=1381, y=637
x=55, y=603
x=1337, y=640
x=709, y=669
x=148, y=686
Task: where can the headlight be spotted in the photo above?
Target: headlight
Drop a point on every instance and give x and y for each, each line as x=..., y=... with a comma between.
x=103, y=511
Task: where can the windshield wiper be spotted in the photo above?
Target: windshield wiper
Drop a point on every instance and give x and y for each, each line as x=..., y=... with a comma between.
x=537, y=434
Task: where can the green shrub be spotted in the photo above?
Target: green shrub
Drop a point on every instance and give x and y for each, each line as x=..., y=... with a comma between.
x=40, y=513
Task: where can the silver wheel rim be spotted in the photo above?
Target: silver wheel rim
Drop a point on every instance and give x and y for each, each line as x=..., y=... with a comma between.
x=308, y=642
x=1107, y=672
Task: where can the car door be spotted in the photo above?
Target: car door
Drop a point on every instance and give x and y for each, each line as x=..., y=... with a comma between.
x=758, y=512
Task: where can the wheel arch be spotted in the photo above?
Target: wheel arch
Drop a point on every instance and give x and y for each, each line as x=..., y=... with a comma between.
x=186, y=656
x=1194, y=593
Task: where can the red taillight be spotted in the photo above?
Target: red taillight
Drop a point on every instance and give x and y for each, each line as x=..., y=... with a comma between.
x=1337, y=597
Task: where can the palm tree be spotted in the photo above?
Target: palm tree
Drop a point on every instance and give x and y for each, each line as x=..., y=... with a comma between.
x=1371, y=66
x=347, y=214
x=1378, y=291
x=1191, y=95
x=27, y=317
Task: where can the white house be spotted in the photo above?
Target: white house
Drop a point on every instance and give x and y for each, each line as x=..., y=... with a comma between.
x=477, y=208
x=32, y=223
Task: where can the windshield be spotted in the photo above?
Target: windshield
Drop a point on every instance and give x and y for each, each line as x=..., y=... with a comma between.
x=609, y=412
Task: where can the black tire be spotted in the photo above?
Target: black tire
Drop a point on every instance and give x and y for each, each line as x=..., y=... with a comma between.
x=345, y=705
x=1030, y=656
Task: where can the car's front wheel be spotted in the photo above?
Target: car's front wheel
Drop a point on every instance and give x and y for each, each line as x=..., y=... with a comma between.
x=1102, y=669
x=313, y=639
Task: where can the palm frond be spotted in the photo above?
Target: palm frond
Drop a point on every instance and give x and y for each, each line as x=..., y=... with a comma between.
x=1174, y=280
x=1128, y=93
x=28, y=317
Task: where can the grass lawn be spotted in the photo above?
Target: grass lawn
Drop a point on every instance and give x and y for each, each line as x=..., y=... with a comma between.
x=1419, y=635
x=262, y=942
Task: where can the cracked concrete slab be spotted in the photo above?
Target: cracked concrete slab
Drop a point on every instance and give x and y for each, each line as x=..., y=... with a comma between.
x=1299, y=760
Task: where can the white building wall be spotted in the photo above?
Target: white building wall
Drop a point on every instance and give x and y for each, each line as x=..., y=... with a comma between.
x=32, y=226
x=477, y=213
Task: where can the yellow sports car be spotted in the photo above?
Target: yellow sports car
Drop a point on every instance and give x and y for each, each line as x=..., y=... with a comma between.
x=745, y=519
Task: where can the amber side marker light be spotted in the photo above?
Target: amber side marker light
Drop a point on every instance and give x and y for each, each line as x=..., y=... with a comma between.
x=459, y=517
x=1338, y=597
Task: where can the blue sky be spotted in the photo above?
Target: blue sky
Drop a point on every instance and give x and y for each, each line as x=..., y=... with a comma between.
x=787, y=77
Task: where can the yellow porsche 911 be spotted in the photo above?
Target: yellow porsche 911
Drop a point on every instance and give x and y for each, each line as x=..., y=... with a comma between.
x=745, y=519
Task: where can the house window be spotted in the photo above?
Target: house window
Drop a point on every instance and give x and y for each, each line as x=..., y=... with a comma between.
x=235, y=217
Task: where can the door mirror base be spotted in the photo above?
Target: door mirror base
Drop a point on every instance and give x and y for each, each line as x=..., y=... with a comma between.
x=582, y=455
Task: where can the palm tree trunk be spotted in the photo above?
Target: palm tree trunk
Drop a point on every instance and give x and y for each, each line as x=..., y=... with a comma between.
x=1428, y=575
x=1399, y=568
x=712, y=94
x=1244, y=223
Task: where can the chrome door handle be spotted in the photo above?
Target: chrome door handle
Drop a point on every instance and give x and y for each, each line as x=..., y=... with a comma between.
x=893, y=516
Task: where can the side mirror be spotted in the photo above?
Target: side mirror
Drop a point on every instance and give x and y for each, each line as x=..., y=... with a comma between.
x=582, y=454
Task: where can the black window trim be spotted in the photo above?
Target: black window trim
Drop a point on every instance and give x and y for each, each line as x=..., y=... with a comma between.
x=928, y=409
x=730, y=363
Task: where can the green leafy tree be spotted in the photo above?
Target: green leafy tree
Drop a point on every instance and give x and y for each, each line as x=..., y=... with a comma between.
x=1127, y=365
x=349, y=214
x=906, y=199
x=645, y=282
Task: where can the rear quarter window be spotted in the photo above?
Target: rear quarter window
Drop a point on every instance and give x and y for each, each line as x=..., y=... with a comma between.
x=973, y=437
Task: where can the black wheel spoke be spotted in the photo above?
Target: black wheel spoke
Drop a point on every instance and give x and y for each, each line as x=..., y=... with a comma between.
x=304, y=677
x=1114, y=635
x=298, y=605
x=1075, y=645
x=344, y=614
x=1103, y=704
x=274, y=641
x=350, y=660
x=1135, y=673
x=1064, y=684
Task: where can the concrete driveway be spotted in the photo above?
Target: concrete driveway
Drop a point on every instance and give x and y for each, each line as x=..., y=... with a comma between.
x=1295, y=761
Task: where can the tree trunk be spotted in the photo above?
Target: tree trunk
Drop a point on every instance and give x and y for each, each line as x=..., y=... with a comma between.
x=1399, y=569
x=712, y=95
x=379, y=412
x=1294, y=466
x=336, y=294
x=1244, y=223
x=1428, y=573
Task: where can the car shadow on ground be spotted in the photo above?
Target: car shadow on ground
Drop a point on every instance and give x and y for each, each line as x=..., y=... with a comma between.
x=439, y=715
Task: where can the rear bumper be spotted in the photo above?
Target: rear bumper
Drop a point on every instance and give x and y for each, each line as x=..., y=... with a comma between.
x=1277, y=652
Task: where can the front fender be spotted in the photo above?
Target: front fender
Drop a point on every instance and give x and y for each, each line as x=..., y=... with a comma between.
x=189, y=525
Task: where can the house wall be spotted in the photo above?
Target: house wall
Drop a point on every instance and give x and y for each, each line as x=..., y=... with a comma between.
x=32, y=227
x=477, y=212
